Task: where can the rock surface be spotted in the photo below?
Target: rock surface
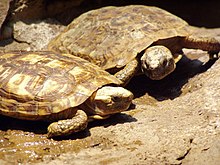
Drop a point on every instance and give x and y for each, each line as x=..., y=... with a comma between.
x=172, y=121
x=4, y=8
x=32, y=35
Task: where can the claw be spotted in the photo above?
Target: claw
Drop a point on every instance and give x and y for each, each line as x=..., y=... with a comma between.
x=214, y=55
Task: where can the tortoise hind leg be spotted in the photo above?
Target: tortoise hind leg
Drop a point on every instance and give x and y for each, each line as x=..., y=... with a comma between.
x=204, y=43
x=127, y=72
x=66, y=127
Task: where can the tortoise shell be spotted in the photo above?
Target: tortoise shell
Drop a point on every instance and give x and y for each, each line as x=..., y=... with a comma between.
x=112, y=36
x=38, y=84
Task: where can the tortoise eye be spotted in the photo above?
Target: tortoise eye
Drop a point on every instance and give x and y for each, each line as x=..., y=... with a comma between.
x=165, y=63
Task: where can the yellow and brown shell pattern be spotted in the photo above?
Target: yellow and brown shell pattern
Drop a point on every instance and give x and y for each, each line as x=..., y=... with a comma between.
x=112, y=36
x=37, y=84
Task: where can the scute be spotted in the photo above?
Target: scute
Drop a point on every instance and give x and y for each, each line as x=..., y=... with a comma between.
x=41, y=83
x=106, y=35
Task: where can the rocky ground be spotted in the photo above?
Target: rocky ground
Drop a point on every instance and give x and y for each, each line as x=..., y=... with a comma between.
x=172, y=121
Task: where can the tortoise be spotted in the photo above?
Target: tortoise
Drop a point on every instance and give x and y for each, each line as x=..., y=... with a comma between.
x=131, y=39
x=60, y=88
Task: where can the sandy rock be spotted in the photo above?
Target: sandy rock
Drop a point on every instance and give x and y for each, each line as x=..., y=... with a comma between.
x=32, y=36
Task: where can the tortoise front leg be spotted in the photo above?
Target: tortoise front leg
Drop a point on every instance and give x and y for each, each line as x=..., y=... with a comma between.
x=204, y=43
x=66, y=127
x=127, y=72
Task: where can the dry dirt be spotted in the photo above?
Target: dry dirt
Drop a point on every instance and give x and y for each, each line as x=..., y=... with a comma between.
x=172, y=121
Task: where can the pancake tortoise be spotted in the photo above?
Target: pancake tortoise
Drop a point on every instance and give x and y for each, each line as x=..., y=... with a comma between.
x=63, y=89
x=126, y=39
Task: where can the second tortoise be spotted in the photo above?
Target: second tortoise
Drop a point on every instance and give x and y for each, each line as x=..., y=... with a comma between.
x=131, y=38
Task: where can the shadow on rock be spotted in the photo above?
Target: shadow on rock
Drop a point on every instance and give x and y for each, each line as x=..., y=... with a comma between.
x=78, y=135
x=37, y=127
x=5, y=42
x=40, y=127
x=169, y=87
x=115, y=119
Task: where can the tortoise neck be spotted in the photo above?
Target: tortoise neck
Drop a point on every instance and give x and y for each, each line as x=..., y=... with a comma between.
x=88, y=106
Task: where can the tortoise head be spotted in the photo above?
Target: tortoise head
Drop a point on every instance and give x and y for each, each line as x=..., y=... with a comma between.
x=109, y=100
x=157, y=62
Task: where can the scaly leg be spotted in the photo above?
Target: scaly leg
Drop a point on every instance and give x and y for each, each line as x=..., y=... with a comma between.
x=204, y=43
x=66, y=127
x=127, y=72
